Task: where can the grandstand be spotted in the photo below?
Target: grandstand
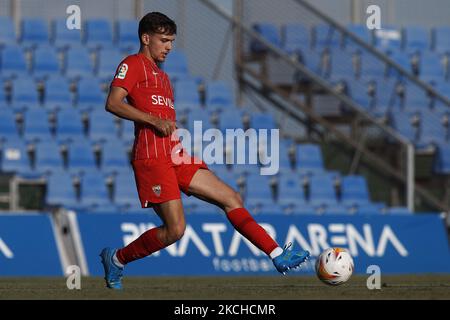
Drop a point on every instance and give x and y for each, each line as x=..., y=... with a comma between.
x=363, y=119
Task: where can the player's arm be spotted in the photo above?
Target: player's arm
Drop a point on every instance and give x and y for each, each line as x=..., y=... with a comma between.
x=115, y=104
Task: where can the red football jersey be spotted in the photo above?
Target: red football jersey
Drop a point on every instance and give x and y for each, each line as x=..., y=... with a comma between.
x=150, y=91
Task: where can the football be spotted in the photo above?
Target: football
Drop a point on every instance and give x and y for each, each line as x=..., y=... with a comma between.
x=334, y=266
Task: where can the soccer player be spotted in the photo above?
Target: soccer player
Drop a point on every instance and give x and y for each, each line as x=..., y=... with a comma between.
x=159, y=179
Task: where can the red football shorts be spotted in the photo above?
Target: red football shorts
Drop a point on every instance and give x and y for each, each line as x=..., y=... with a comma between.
x=160, y=179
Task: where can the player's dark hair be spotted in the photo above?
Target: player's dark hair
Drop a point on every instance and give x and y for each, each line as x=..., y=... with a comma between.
x=157, y=22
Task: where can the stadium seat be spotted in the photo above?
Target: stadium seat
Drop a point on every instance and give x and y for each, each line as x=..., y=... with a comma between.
x=107, y=62
x=290, y=191
x=441, y=41
x=94, y=192
x=127, y=130
x=7, y=31
x=13, y=62
x=61, y=190
x=14, y=157
x=309, y=159
x=416, y=38
x=36, y=125
x=335, y=210
x=296, y=38
x=25, y=92
x=90, y=94
x=48, y=157
x=262, y=121
x=81, y=156
x=114, y=156
x=127, y=33
x=398, y=211
x=325, y=36
x=218, y=95
x=63, y=36
x=230, y=118
x=404, y=123
x=359, y=31
x=186, y=95
x=69, y=125
x=34, y=32
x=258, y=190
x=431, y=65
x=354, y=190
x=176, y=65
x=45, y=62
x=102, y=125
x=267, y=31
x=369, y=209
x=98, y=34
x=8, y=129
x=431, y=130
x=57, y=93
x=341, y=64
x=322, y=190
x=125, y=192
x=78, y=63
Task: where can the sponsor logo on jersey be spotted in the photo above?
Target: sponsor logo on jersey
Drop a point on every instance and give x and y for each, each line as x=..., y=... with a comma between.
x=122, y=72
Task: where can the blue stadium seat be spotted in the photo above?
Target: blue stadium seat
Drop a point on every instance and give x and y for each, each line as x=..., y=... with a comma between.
x=102, y=125
x=57, y=93
x=312, y=60
x=441, y=163
x=354, y=190
x=431, y=65
x=127, y=130
x=125, y=192
x=230, y=118
x=290, y=191
x=90, y=93
x=127, y=33
x=218, y=95
x=36, y=125
x=309, y=159
x=81, y=156
x=403, y=123
x=371, y=67
x=432, y=129
x=98, y=33
x=186, y=95
x=198, y=115
x=325, y=36
x=25, y=92
x=262, y=121
x=108, y=60
x=338, y=209
x=416, y=38
x=78, y=63
x=45, y=62
x=176, y=65
x=304, y=209
x=341, y=64
x=441, y=41
x=64, y=37
x=69, y=125
x=48, y=157
x=267, y=31
x=359, y=31
x=401, y=58
x=34, y=32
x=369, y=209
x=7, y=31
x=14, y=157
x=13, y=62
x=322, y=190
x=94, y=192
x=8, y=129
x=114, y=156
x=258, y=190
x=297, y=37
x=269, y=209
x=61, y=190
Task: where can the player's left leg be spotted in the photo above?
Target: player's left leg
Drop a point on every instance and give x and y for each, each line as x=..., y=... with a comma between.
x=207, y=186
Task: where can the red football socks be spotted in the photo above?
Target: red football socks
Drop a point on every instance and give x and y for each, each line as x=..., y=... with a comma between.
x=244, y=223
x=143, y=246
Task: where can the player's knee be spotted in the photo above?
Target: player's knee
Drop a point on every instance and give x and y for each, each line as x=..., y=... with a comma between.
x=234, y=201
x=176, y=232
